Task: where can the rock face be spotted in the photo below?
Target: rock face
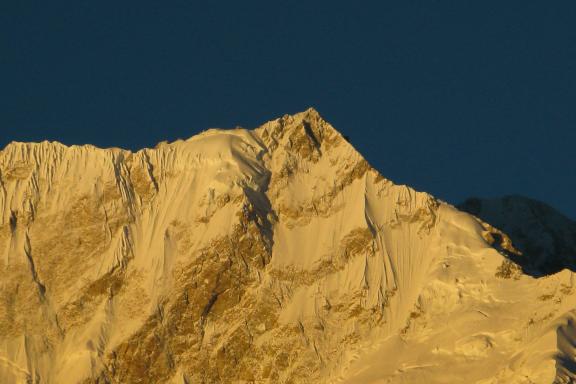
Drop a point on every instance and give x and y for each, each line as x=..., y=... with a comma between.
x=276, y=255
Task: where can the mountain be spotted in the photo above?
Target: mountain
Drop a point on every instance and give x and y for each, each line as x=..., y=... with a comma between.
x=273, y=255
x=546, y=238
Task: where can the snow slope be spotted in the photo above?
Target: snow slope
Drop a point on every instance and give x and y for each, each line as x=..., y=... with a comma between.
x=274, y=255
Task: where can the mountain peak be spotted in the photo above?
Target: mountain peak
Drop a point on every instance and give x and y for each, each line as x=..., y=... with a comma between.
x=274, y=255
x=305, y=132
x=311, y=112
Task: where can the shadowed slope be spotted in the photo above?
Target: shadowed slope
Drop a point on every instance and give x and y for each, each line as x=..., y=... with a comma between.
x=546, y=238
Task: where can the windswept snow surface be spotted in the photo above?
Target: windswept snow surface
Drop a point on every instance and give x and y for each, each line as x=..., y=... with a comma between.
x=274, y=255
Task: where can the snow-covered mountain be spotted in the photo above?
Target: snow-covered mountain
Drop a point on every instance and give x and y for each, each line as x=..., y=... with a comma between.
x=274, y=255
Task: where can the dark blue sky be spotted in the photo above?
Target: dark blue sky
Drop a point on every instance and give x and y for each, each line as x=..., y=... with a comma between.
x=458, y=98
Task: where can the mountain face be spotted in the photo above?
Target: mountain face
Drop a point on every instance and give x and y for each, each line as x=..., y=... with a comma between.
x=274, y=255
x=546, y=238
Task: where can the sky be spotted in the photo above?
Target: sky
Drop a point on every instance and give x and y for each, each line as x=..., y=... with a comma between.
x=456, y=98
